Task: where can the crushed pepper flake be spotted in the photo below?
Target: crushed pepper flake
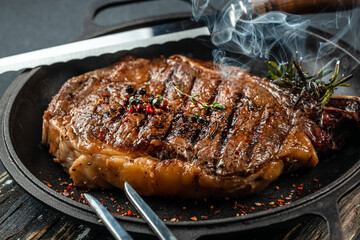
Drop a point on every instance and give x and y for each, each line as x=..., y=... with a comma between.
x=129, y=213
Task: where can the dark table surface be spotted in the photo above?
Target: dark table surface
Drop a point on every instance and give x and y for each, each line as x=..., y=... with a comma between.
x=36, y=24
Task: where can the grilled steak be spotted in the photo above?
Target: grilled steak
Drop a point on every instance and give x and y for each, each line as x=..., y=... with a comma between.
x=180, y=126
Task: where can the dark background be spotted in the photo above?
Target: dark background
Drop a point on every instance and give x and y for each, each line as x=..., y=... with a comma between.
x=36, y=24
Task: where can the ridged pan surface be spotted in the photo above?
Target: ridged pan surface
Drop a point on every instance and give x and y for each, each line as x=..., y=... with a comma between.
x=32, y=166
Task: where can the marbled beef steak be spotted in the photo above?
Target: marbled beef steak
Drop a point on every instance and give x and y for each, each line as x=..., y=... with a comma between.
x=180, y=126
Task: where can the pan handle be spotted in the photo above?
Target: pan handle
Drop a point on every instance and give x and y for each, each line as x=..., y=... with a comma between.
x=329, y=211
x=92, y=29
x=327, y=207
x=302, y=6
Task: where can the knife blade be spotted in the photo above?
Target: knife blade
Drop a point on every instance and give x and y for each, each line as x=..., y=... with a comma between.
x=94, y=47
x=161, y=230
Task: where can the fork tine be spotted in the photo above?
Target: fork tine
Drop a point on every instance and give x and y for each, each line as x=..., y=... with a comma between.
x=148, y=214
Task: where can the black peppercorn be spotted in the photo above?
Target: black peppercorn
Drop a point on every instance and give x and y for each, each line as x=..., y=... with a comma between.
x=134, y=101
x=129, y=89
x=142, y=91
x=193, y=119
x=156, y=102
x=200, y=120
x=150, y=99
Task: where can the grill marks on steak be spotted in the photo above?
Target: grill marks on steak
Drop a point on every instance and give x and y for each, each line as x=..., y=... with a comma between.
x=172, y=135
x=160, y=126
x=212, y=139
x=184, y=134
x=239, y=150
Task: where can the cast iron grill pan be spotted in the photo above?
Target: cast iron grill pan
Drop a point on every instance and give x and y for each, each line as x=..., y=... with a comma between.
x=33, y=168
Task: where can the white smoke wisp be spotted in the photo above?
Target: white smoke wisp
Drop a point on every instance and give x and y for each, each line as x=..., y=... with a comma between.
x=235, y=31
x=275, y=35
x=343, y=25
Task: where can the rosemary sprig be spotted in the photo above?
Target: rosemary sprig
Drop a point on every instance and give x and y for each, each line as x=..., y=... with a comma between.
x=293, y=76
x=215, y=106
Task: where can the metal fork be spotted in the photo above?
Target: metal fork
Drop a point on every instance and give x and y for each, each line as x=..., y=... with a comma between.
x=110, y=222
x=158, y=226
x=160, y=229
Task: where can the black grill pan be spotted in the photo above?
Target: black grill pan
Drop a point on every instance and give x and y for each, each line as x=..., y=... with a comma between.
x=32, y=167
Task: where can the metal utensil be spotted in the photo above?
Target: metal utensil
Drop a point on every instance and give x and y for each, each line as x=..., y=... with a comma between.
x=148, y=214
x=94, y=47
x=110, y=222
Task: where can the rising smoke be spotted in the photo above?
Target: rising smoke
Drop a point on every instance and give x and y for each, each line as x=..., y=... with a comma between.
x=278, y=36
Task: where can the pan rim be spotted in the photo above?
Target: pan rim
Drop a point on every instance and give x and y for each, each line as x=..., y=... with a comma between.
x=12, y=158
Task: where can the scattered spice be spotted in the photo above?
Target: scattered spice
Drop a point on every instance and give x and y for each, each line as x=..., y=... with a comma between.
x=142, y=91
x=138, y=107
x=129, y=89
x=149, y=109
x=193, y=117
x=129, y=213
x=194, y=218
x=213, y=129
x=157, y=101
x=133, y=100
x=164, y=105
